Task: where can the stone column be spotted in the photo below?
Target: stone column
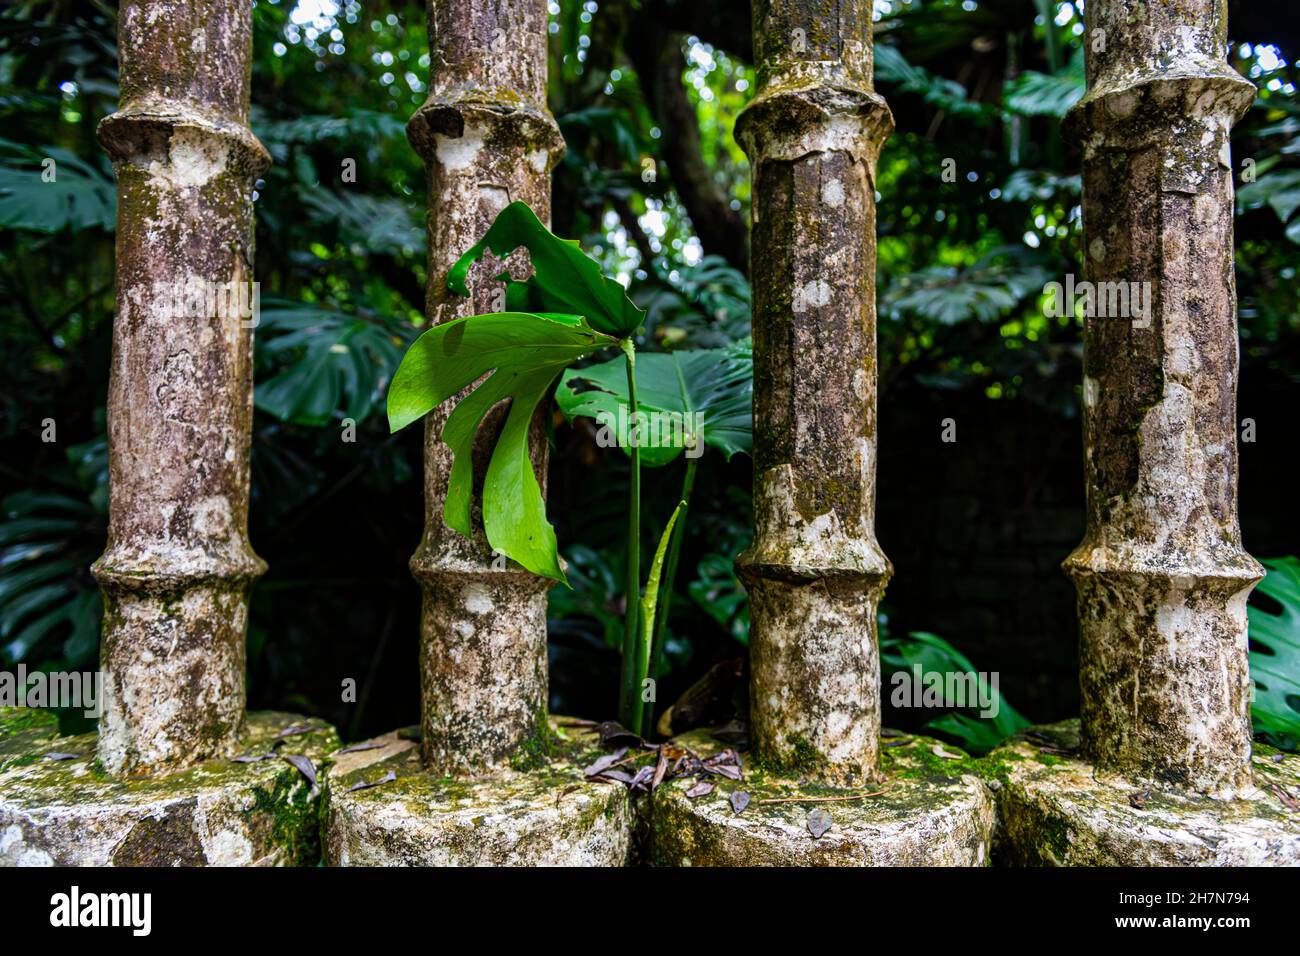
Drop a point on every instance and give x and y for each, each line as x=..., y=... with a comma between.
x=814, y=573
x=1161, y=575
x=178, y=567
x=487, y=140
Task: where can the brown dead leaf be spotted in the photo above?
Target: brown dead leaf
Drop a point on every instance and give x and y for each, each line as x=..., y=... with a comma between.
x=701, y=789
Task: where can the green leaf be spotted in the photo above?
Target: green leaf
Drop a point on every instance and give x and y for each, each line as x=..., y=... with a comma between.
x=524, y=353
x=565, y=279
x=326, y=362
x=79, y=197
x=709, y=387
x=650, y=600
x=1275, y=651
x=935, y=655
x=1046, y=94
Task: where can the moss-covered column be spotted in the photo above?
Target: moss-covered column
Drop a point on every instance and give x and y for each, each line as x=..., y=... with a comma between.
x=1161, y=575
x=814, y=573
x=487, y=140
x=176, y=573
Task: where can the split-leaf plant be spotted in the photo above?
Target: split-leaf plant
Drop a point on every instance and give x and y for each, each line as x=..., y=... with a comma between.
x=566, y=311
x=706, y=395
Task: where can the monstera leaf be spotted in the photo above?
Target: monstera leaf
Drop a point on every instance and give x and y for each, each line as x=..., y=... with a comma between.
x=565, y=279
x=566, y=310
x=715, y=384
x=524, y=353
x=1275, y=651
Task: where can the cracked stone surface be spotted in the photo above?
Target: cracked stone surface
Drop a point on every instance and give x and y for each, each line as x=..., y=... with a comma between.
x=935, y=811
x=814, y=572
x=178, y=566
x=1161, y=574
x=1057, y=810
x=487, y=140
x=547, y=815
x=217, y=813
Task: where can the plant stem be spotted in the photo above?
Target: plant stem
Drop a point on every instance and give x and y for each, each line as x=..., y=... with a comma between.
x=666, y=588
x=629, y=705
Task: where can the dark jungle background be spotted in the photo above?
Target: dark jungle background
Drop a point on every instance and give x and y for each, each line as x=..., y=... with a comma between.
x=653, y=183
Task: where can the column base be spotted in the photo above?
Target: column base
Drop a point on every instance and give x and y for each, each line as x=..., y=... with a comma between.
x=547, y=816
x=935, y=811
x=69, y=812
x=1055, y=811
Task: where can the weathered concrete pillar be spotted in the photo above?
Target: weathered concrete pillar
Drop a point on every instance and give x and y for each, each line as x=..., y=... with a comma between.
x=176, y=574
x=1161, y=574
x=178, y=566
x=517, y=794
x=1159, y=771
x=487, y=140
x=814, y=573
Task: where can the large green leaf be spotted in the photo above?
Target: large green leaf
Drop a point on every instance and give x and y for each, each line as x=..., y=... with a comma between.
x=716, y=385
x=1275, y=651
x=325, y=362
x=524, y=353
x=79, y=197
x=1046, y=94
x=565, y=279
x=934, y=655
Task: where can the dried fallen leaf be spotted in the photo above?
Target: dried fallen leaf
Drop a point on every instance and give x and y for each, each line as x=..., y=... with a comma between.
x=294, y=731
x=303, y=765
x=357, y=748
x=739, y=800
x=56, y=755
x=367, y=784
x=895, y=743
x=819, y=821
x=661, y=770
x=642, y=778
x=938, y=751
x=612, y=732
x=726, y=770
x=616, y=776
x=701, y=789
x=1138, y=799
x=1288, y=801
x=253, y=758
x=604, y=762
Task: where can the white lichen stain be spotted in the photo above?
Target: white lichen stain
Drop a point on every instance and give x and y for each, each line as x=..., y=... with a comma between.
x=14, y=850
x=478, y=600
x=811, y=295
x=539, y=159
x=458, y=153
x=194, y=158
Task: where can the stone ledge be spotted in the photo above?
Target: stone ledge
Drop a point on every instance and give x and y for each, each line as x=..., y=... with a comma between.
x=1054, y=811
x=548, y=816
x=935, y=811
x=221, y=813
